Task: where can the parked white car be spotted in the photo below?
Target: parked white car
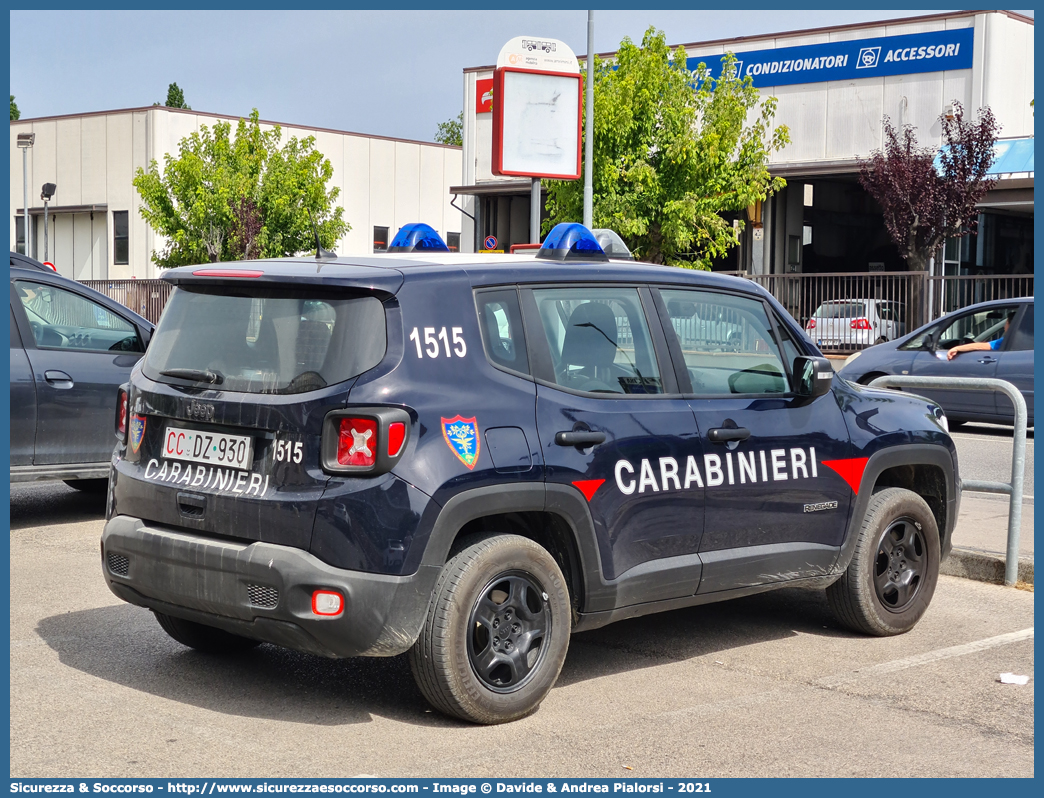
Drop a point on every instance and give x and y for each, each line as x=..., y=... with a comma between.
x=856, y=323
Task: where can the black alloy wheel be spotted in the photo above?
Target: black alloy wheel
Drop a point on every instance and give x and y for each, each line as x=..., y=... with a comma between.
x=508, y=625
x=900, y=564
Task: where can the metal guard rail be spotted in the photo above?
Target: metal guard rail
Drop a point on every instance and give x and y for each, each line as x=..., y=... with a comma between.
x=1018, y=453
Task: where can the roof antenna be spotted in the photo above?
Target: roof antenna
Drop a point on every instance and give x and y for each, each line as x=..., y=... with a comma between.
x=320, y=253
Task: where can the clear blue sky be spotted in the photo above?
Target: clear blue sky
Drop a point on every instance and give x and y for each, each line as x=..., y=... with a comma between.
x=391, y=73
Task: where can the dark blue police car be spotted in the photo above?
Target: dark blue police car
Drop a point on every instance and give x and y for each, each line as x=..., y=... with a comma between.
x=469, y=457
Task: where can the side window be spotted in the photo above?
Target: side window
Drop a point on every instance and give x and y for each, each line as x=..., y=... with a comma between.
x=1022, y=338
x=61, y=319
x=501, y=323
x=984, y=326
x=727, y=343
x=599, y=340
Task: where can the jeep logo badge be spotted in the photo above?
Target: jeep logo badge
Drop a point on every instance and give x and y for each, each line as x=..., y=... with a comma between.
x=200, y=411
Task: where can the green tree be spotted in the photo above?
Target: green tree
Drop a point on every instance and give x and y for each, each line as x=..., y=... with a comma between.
x=451, y=131
x=176, y=98
x=223, y=198
x=673, y=149
x=15, y=113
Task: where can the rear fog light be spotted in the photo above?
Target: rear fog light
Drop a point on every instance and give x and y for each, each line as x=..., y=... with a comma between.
x=396, y=436
x=357, y=442
x=327, y=603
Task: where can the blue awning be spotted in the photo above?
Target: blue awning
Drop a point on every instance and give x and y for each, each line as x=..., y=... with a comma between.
x=1013, y=156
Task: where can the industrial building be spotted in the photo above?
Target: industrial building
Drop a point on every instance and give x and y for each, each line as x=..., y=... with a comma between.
x=834, y=85
x=95, y=230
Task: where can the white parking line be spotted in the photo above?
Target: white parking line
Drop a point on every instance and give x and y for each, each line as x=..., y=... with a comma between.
x=928, y=656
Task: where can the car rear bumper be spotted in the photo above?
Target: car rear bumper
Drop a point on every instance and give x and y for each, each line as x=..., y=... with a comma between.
x=262, y=590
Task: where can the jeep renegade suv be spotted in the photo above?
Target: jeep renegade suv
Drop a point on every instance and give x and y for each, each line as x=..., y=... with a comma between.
x=467, y=458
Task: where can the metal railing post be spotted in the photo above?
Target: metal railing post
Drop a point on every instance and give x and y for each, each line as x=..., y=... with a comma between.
x=1018, y=455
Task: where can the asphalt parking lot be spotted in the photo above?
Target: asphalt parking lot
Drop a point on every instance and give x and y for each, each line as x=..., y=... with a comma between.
x=768, y=685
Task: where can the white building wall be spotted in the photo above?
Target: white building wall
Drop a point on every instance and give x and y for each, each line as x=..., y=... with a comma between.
x=93, y=159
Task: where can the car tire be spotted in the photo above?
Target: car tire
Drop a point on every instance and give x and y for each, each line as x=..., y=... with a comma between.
x=881, y=339
x=462, y=664
x=895, y=567
x=204, y=638
x=89, y=485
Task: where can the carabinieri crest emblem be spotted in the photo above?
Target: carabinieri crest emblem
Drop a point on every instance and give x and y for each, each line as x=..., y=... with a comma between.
x=462, y=436
x=137, y=431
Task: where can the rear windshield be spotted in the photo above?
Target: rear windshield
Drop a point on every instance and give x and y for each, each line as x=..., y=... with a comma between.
x=276, y=340
x=840, y=310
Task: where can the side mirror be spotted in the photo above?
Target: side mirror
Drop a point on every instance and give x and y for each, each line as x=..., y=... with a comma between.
x=814, y=376
x=928, y=344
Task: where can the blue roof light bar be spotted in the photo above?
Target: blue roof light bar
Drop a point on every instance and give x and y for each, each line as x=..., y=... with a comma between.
x=417, y=237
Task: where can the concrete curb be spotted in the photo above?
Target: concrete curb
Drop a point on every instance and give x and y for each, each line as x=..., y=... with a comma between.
x=984, y=566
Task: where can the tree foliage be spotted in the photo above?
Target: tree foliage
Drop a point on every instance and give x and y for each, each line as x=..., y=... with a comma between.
x=451, y=131
x=176, y=98
x=15, y=113
x=224, y=198
x=925, y=202
x=673, y=149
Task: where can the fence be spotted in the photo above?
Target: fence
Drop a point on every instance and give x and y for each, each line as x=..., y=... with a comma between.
x=145, y=297
x=854, y=310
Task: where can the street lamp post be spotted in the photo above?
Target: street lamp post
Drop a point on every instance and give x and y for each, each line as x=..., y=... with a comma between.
x=25, y=143
x=45, y=194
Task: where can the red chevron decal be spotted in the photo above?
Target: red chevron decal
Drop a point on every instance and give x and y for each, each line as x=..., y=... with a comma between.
x=588, y=487
x=851, y=470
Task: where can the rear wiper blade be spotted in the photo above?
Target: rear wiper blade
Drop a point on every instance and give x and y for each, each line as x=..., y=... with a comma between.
x=198, y=375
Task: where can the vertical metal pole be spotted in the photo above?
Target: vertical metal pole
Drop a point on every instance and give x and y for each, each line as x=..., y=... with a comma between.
x=1018, y=470
x=45, y=231
x=589, y=127
x=25, y=199
x=534, y=212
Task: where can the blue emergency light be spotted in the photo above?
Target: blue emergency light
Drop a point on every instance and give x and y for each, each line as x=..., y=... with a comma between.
x=571, y=241
x=417, y=237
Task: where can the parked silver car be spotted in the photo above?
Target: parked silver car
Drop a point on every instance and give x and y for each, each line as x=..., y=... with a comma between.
x=856, y=323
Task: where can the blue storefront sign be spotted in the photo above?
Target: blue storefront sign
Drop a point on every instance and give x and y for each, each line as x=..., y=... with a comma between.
x=851, y=60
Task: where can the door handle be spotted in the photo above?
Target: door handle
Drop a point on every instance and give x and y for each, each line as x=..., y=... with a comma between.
x=988, y=359
x=726, y=434
x=581, y=438
x=59, y=379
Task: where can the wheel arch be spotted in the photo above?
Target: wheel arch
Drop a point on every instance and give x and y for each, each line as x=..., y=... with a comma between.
x=924, y=469
x=554, y=516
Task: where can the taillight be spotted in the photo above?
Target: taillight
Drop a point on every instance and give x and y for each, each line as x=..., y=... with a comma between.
x=860, y=324
x=811, y=324
x=364, y=441
x=396, y=437
x=121, y=414
x=357, y=442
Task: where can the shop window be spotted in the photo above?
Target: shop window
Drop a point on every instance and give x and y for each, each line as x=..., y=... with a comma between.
x=380, y=239
x=120, y=238
x=453, y=241
x=20, y=235
x=806, y=235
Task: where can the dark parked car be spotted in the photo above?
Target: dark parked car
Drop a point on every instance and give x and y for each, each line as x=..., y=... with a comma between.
x=924, y=353
x=470, y=459
x=71, y=348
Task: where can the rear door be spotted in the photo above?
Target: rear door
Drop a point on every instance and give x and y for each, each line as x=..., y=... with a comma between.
x=23, y=401
x=613, y=425
x=774, y=464
x=80, y=352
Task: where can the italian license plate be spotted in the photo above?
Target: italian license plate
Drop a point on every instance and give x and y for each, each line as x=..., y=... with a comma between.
x=212, y=448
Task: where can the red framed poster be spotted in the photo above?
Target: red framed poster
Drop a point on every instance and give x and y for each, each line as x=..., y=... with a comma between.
x=536, y=123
